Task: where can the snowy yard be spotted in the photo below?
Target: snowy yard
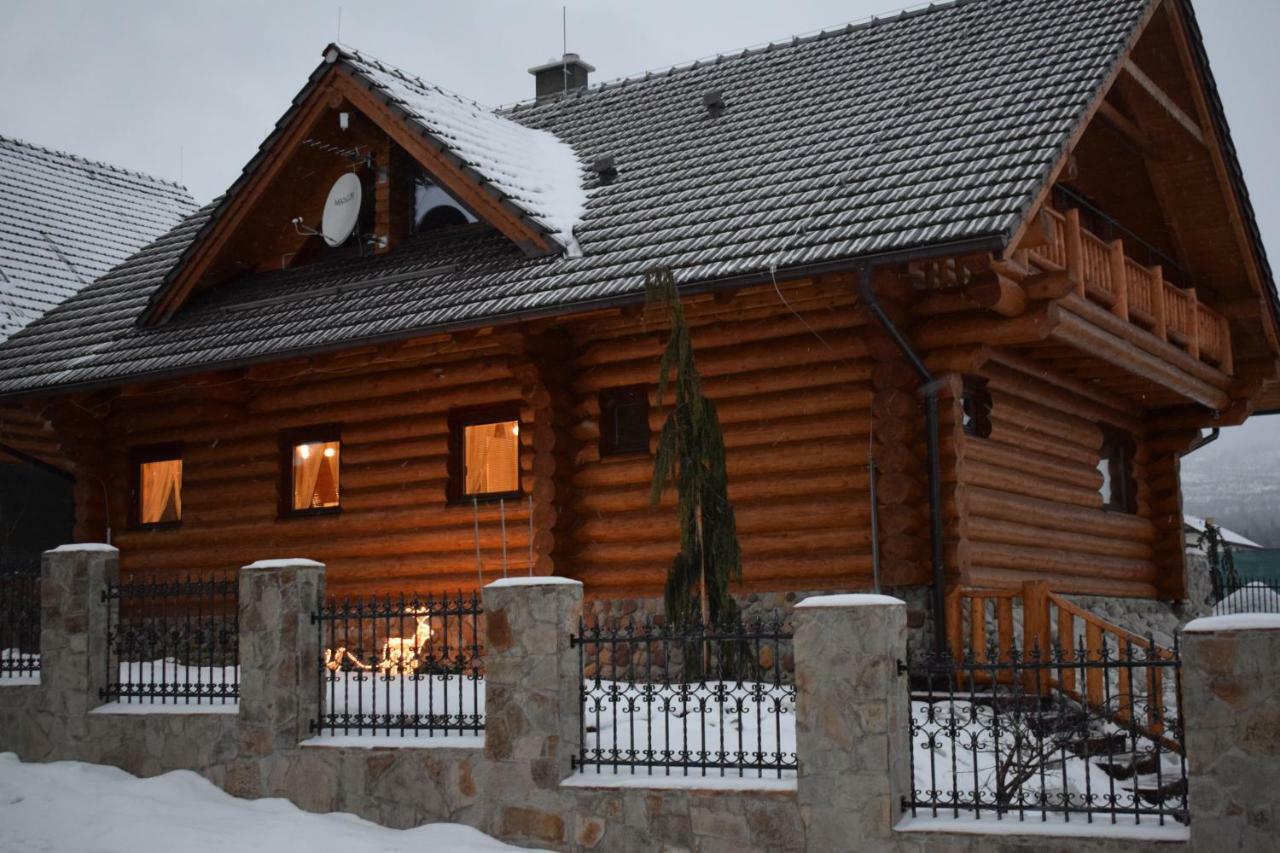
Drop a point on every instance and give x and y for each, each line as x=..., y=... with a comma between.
x=714, y=722
x=451, y=701
x=206, y=685
x=71, y=807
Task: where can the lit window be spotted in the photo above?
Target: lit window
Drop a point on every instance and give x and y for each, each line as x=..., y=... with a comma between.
x=486, y=454
x=160, y=487
x=313, y=469
x=1118, y=490
x=624, y=421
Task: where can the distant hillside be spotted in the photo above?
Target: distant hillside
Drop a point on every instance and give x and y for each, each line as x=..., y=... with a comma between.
x=1236, y=480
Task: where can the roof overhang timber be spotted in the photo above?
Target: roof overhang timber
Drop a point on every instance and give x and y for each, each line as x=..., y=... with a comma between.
x=335, y=82
x=1208, y=127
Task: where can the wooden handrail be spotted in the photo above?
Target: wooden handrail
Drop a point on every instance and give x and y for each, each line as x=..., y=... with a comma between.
x=1102, y=273
x=1049, y=622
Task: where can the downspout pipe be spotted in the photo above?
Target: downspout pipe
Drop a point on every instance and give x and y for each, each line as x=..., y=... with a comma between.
x=1202, y=441
x=867, y=294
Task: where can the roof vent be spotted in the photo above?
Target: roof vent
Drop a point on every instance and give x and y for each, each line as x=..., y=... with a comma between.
x=713, y=100
x=605, y=168
x=559, y=76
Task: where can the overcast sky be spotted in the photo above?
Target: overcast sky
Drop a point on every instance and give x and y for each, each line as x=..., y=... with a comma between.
x=187, y=90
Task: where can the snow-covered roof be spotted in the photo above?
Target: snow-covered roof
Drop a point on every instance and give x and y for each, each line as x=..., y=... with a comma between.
x=532, y=169
x=1197, y=523
x=934, y=130
x=65, y=221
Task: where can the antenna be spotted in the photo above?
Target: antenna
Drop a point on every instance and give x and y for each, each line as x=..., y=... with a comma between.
x=564, y=45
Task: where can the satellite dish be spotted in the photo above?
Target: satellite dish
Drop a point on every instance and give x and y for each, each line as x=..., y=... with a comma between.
x=341, y=210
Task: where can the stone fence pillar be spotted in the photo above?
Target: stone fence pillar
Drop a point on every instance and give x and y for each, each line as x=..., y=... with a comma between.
x=851, y=719
x=1231, y=714
x=532, y=690
x=73, y=632
x=279, y=653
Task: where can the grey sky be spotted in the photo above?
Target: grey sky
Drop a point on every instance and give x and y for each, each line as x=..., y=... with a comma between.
x=136, y=81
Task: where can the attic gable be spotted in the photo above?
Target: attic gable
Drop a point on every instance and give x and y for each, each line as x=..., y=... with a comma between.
x=357, y=114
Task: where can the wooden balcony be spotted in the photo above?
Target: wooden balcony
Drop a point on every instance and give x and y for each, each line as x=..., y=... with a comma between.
x=1136, y=293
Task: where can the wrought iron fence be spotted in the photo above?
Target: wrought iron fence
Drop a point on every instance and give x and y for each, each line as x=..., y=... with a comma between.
x=1083, y=734
x=696, y=701
x=1232, y=594
x=403, y=665
x=173, y=642
x=19, y=623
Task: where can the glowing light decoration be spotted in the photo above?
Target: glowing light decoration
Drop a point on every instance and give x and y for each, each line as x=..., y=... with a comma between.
x=400, y=655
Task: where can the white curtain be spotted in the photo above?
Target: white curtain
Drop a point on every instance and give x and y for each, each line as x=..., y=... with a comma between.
x=161, y=491
x=306, y=469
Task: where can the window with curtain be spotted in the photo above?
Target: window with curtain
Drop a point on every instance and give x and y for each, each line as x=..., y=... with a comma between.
x=160, y=490
x=313, y=466
x=484, y=453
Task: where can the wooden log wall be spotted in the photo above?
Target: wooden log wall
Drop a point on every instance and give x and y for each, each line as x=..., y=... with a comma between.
x=793, y=389
x=395, y=531
x=1027, y=505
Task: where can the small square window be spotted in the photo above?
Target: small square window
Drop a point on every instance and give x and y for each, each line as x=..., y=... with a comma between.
x=312, y=472
x=624, y=421
x=1119, y=489
x=975, y=403
x=159, y=487
x=485, y=456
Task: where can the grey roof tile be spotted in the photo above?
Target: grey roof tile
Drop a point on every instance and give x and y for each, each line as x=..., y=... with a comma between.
x=934, y=127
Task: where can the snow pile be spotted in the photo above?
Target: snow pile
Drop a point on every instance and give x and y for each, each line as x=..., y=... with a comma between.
x=533, y=169
x=1251, y=598
x=1236, y=621
x=453, y=700
x=985, y=752
x=162, y=674
x=18, y=668
x=731, y=721
x=72, y=807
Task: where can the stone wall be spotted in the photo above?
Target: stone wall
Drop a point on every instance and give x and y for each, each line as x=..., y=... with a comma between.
x=852, y=740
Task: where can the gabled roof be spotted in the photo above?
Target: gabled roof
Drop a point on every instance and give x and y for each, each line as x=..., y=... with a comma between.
x=65, y=221
x=531, y=169
x=931, y=132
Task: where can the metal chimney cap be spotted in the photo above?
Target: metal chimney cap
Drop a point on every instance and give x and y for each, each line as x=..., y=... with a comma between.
x=567, y=59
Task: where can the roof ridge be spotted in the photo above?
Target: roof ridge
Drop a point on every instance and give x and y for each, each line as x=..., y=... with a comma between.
x=395, y=70
x=857, y=25
x=97, y=163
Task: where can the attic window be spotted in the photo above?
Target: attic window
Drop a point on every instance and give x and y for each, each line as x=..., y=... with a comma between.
x=1119, y=489
x=158, y=486
x=484, y=456
x=975, y=404
x=624, y=421
x=434, y=209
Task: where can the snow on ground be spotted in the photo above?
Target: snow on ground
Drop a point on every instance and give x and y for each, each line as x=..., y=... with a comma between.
x=70, y=807
x=167, y=671
x=455, y=699
x=636, y=718
x=19, y=679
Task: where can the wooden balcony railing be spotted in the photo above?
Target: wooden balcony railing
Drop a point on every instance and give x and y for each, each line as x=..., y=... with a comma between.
x=1139, y=294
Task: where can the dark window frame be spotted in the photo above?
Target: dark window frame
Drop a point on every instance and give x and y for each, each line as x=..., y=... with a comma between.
x=459, y=420
x=611, y=400
x=138, y=456
x=289, y=439
x=1118, y=451
x=975, y=407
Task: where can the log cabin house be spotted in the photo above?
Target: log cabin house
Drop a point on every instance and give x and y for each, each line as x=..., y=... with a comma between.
x=1003, y=247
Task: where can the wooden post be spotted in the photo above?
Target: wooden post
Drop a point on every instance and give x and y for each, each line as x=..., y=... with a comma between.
x=1193, y=338
x=1075, y=251
x=1119, y=280
x=1035, y=631
x=955, y=625
x=1157, y=303
x=1225, y=356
